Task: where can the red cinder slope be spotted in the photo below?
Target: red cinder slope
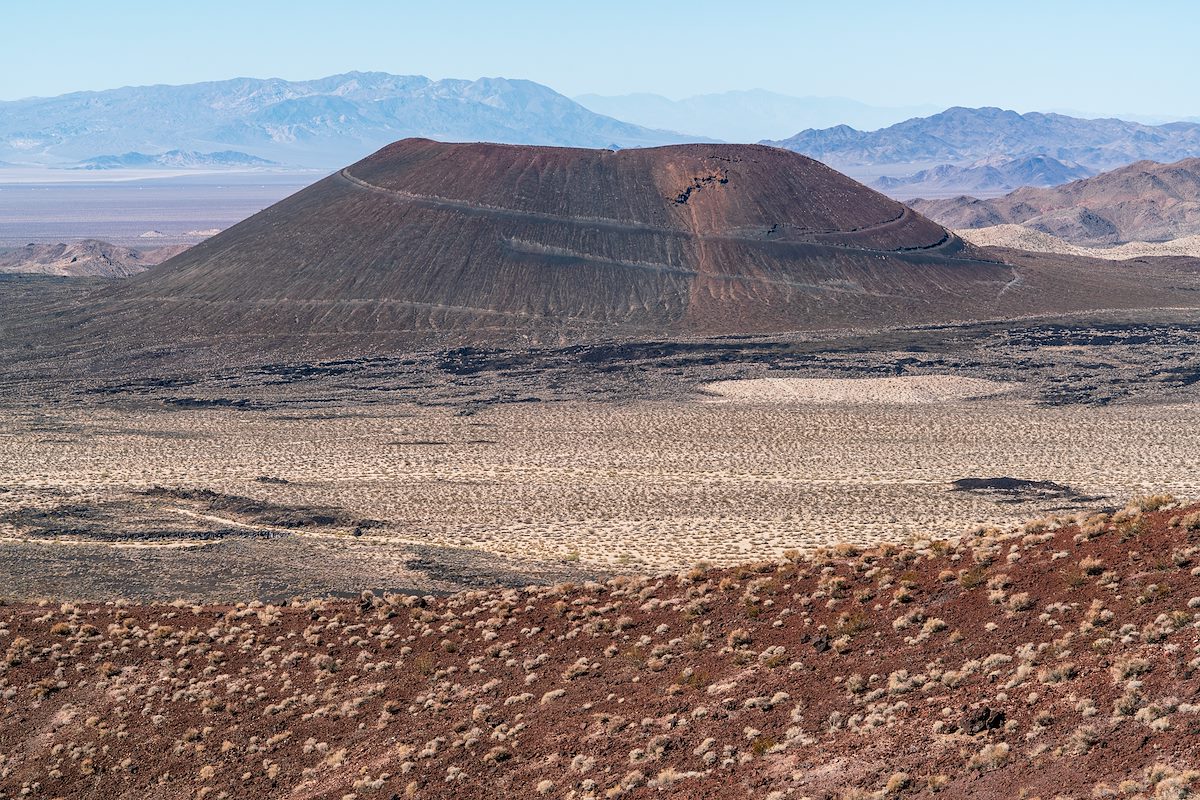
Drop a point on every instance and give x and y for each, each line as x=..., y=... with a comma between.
x=1052, y=661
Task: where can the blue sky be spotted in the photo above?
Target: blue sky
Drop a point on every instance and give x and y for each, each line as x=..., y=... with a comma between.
x=1097, y=56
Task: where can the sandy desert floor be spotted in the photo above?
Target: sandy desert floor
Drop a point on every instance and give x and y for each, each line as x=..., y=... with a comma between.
x=656, y=485
x=1022, y=238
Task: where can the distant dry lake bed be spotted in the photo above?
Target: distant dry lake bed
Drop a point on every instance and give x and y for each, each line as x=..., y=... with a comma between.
x=122, y=206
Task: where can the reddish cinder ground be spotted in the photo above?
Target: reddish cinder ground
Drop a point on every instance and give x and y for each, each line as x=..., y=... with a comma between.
x=1060, y=660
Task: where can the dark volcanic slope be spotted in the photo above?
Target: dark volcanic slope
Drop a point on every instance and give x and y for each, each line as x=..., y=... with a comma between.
x=426, y=242
x=425, y=237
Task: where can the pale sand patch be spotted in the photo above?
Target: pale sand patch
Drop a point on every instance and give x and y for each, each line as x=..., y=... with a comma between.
x=1022, y=238
x=901, y=390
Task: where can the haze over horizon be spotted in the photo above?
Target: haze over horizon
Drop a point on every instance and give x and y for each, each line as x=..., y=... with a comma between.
x=1036, y=58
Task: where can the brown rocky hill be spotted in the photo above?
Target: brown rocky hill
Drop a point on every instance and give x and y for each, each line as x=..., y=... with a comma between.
x=1145, y=202
x=87, y=258
x=1054, y=660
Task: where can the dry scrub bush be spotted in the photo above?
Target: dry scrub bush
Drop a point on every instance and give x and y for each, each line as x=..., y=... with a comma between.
x=991, y=756
x=1153, y=502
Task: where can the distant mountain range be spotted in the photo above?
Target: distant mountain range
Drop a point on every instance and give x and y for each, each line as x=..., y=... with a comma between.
x=1142, y=202
x=962, y=136
x=320, y=123
x=991, y=176
x=746, y=116
x=176, y=158
x=323, y=123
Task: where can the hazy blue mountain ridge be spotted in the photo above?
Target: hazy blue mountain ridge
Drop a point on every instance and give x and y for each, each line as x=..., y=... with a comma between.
x=965, y=135
x=326, y=122
x=994, y=175
x=176, y=159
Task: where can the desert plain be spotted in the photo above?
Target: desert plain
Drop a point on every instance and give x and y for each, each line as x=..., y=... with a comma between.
x=143, y=495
